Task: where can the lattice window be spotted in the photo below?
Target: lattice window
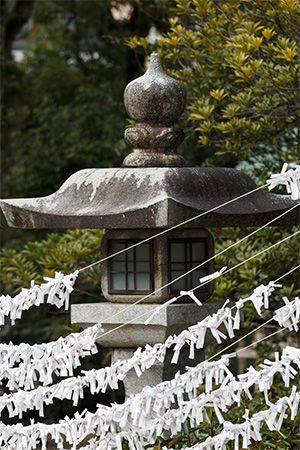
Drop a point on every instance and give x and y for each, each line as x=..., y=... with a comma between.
x=130, y=272
x=185, y=254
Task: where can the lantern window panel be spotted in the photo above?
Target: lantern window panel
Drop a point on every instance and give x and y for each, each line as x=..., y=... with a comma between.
x=131, y=272
x=184, y=255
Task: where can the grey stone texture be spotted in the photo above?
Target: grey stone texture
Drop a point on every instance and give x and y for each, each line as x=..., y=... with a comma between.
x=160, y=265
x=158, y=372
x=172, y=319
x=155, y=101
x=151, y=198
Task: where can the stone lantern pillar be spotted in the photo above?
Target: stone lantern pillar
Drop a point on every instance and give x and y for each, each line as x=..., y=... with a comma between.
x=152, y=192
x=155, y=101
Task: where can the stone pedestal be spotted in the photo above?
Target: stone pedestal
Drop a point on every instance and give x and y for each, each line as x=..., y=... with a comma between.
x=158, y=372
x=124, y=341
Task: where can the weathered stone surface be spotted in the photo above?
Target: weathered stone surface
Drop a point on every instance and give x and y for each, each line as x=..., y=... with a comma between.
x=155, y=97
x=150, y=198
x=171, y=320
x=155, y=101
x=160, y=264
x=158, y=372
x=153, y=139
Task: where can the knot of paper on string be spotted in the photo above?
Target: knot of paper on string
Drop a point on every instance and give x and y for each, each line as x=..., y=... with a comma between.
x=289, y=315
x=56, y=291
x=40, y=361
x=189, y=293
x=290, y=178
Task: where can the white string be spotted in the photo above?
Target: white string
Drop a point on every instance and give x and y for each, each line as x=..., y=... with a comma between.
x=97, y=380
x=131, y=305
x=172, y=228
x=132, y=415
x=203, y=284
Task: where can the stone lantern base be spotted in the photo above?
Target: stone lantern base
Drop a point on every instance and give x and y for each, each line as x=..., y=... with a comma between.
x=124, y=341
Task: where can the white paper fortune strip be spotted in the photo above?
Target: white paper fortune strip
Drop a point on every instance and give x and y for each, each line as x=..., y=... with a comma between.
x=99, y=380
x=289, y=315
x=289, y=178
x=147, y=414
x=55, y=291
x=166, y=419
x=190, y=293
x=242, y=434
x=40, y=361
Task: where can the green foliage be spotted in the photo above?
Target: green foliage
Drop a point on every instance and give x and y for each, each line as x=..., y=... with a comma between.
x=69, y=113
x=238, y=60
x=58, y=252
x=239, y=63
x=268, y=266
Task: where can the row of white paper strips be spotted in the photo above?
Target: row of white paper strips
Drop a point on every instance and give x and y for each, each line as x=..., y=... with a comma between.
x=40, y=361
x=290, y=178
x=250, y=429
x=246, y=432
x=58, y=289
x=148, y=419
x=61, y=356
x=147, y=414
x=18, y=435
x=99, y=380
x=55, y=291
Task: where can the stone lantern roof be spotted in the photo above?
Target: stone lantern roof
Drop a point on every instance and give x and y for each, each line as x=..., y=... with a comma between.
x=152, y=190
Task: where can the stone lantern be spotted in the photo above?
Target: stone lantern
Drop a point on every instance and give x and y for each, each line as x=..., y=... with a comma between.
x=152, y=192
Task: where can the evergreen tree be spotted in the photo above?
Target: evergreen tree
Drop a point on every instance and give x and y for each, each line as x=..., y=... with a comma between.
x=238, y=60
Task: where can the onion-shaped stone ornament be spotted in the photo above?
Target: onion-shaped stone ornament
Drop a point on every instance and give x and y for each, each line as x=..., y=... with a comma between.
x=155, y=101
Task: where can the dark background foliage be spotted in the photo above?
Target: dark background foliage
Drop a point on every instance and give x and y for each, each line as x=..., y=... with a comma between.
x=62, y=110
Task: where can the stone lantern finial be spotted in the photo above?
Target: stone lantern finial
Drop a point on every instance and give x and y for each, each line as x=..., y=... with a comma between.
x=155, y=101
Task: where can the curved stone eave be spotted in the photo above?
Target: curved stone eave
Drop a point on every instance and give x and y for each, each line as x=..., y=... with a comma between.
x=150, y=198
x=223, y=218
x=153, y=216
x=163, y=213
